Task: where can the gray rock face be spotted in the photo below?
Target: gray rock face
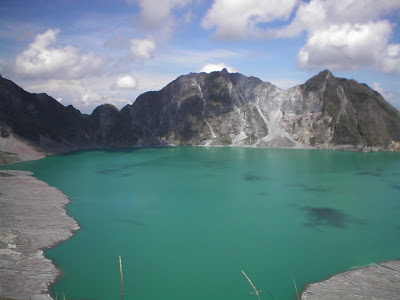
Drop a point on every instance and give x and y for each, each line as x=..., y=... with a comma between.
x=378, y=282
x=102, y=120
x=231, y=109
x=213, y=109
x=32, y=218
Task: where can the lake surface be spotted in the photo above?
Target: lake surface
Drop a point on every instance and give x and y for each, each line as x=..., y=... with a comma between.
x=186, y=221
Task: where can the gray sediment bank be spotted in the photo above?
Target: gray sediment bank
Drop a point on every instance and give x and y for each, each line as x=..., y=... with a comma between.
x=32, y=219
x=375, y=282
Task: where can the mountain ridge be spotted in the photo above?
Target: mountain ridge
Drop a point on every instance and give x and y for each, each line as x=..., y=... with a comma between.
x=209, y=109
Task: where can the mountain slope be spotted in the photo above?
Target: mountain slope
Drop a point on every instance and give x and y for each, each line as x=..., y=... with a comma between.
x=219, y=108
x=231, y=109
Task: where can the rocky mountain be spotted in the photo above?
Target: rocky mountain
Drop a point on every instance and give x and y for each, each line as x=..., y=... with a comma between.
x=213, y=109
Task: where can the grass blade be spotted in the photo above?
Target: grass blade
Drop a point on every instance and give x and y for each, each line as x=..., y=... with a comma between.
x=295, y=286
x=252, y=285
x=122, y=278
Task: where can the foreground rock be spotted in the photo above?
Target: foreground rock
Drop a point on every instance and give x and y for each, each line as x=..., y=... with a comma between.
x=32, y=218
x=378, y=282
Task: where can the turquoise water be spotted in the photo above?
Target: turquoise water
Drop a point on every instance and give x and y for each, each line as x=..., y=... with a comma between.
x=187, y=220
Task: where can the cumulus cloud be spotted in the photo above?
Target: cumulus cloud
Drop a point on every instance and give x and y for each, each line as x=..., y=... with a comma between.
x=240, y=19
x=344, y=34
x=44, y=58
x=340, y=34
x=391, y=59
x=77, y=93
x=216, y=67
x=318, y=14
x=142, y=49
x=391, y=96
x=341, y=47
x=125, y=82
x=377, y=87
x=160, y=18
x=156, y=13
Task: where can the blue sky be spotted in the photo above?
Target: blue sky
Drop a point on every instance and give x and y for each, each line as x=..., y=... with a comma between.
x=87, y=53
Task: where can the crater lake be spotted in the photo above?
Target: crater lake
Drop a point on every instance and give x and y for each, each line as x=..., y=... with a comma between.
x=187, y=220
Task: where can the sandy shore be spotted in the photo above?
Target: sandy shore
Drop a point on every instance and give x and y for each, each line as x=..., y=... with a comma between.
x=32, y=219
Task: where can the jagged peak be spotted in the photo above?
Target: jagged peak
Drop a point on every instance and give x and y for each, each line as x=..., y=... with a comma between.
x=321, y=77
x=325, y=73
x=108, y=106
x=224, y=71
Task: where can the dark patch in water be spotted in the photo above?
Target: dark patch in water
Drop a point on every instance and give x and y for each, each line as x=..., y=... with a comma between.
x=325, y=216
x=126, y=174
x=131, y=221
x=124, y=150
x=215, y=164
x=316, y=189
x=108, y=171
x=370, y=173
x=396, y=186
x=264, y=194
x=74, y=152
x=310, y=188
x=148, y=162
x=251, y=177
x=208, y=175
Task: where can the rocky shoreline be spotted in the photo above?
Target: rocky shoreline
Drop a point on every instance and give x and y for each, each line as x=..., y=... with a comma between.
x=379, y=281
x=32, y=219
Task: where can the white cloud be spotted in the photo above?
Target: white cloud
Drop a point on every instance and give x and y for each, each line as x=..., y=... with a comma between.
x=77, y=93
x=142, y=49
x=240, y=19
x=156, y=13
x=340, y=34
x=392, y=97
x=125, y=82
x=386, y=95
x=341, y=47
x=344, y=35
x=44, y=58
x=317, y=15
x=190, y=60
x=391, y=59
x=216, y=67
